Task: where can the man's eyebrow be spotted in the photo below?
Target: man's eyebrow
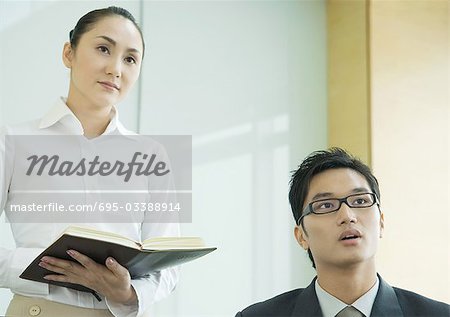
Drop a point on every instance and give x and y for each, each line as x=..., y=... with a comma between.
x=321, y=195
x=361, y=190
x=327, y=194
x=110, y=40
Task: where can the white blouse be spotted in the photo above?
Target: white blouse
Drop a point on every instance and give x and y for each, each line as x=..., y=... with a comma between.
x=32, y=238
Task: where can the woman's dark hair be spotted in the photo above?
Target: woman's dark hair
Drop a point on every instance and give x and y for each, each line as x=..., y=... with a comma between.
x=87, y=22
x=316, y=163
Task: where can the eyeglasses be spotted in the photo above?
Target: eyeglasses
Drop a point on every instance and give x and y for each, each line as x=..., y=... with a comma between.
x=329, y=205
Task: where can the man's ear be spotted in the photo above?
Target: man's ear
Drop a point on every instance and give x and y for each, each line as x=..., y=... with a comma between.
x=67, y=55
x=301, y=237
x=381, y=224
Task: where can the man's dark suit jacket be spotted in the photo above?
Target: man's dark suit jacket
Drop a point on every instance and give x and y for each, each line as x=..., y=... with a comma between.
x=389, y=302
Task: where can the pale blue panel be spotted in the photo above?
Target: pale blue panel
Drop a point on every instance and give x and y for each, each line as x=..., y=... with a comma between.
x=248, y=80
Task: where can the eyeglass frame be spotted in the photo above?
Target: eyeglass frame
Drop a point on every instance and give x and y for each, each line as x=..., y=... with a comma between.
x=308, y=209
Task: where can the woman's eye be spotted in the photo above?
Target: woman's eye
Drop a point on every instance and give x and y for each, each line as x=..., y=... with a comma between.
x=359, y=201
x=130, y=60
x=103, y=49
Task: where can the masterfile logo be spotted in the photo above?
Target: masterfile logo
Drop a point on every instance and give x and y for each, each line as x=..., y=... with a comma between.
x=96, y=167
x=112, y=178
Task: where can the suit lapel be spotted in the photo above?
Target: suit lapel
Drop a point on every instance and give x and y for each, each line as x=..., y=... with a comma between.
x=307, y=303
x=385, y=305
x=386, y=302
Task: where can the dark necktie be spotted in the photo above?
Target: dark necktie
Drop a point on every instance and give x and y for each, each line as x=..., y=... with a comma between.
x=350, y=311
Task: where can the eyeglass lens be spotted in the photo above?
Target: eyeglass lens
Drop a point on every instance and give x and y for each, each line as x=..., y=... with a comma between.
x=353, y=201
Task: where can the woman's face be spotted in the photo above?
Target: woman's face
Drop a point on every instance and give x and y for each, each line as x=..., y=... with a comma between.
x=105, y=63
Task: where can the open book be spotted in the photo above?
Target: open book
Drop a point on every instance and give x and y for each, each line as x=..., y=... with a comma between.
x=140, y=259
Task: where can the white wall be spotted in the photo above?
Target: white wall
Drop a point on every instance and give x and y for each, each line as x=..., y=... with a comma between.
x=248, y=80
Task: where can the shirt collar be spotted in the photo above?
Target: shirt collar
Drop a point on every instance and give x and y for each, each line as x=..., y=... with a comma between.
x=364, y=303
x=61, y=113
x=330, y=305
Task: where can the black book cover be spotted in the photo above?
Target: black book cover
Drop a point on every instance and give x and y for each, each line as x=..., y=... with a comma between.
x=138, y=262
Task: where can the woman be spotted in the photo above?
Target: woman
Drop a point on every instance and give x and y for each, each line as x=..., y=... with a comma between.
x=104, y=56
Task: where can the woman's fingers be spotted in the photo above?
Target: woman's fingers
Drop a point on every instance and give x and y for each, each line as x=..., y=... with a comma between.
x=84, y=260
x=58, y=265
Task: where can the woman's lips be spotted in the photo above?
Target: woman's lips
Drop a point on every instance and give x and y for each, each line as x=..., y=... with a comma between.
x=109, y=85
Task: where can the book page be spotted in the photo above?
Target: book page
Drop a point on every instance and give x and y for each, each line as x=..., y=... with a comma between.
x=176, y=243
x=102, y=236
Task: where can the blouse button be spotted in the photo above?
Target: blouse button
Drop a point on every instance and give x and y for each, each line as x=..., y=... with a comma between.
x=34, y=310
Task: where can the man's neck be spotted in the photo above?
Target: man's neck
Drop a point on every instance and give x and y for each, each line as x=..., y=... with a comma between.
x=349, y=283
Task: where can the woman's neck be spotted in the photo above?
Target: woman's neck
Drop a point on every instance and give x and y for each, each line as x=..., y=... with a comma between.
x=93, y=119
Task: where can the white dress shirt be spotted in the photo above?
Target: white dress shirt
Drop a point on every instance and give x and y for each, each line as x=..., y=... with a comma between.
x=32, y=238
x=331, y=305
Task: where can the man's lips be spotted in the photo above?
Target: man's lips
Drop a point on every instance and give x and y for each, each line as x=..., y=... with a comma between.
x=350, y=234
x=109, y=84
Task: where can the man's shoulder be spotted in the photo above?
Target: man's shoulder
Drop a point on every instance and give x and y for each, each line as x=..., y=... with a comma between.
x=280, y=306
x=414, y=304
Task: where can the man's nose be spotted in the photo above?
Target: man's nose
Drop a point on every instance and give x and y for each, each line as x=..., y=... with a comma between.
x=345, y=214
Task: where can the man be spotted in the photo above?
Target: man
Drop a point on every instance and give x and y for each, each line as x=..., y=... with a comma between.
x=335, y=201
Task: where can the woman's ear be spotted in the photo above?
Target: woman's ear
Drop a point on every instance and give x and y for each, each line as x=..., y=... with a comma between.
x=67, y=55
x=301, y=237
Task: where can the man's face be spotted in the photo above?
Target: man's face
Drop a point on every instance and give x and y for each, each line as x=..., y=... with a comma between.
x=323, y=233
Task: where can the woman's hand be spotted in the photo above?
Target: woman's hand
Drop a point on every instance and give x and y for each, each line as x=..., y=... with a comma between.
x=111, y=280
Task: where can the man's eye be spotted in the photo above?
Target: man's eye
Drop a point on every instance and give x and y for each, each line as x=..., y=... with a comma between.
x=325, y=205
x=361, y=201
